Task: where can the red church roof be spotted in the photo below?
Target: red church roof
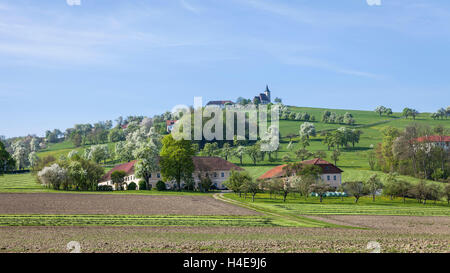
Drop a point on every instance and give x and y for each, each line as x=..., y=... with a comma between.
x=326, y=166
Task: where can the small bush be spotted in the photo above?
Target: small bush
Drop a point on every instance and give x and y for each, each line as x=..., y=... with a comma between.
x=142, y=185
x=160, y=186
x=105, y=188
x=132, y=186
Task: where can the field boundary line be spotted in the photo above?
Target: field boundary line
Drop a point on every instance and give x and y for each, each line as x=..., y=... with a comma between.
x=299, y=219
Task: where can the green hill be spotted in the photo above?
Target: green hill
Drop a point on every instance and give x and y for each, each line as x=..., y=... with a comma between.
x=353, y=161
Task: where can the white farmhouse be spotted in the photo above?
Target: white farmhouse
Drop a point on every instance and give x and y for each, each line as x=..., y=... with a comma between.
x=216, y=168
x=330, y=173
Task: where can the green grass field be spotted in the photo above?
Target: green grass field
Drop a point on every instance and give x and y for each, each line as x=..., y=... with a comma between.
x=144, y=220
x=26, y=183
x=296, y=205
x=64, y=148
x=353, y=162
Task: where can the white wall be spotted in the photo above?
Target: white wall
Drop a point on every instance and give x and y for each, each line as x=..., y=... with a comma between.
x=333, y=179
x=216, y=179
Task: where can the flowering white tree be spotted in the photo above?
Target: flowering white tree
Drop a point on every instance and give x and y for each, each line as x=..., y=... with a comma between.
x=20, y=154
x=98, y=153
x=34, y=144
x=307, y=129
x=33, y=159
x=72, y=154
x=52, y=176
x=147, y=164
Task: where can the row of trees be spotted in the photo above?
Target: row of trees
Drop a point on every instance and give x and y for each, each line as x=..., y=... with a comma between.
x=332, y=117
x=441, y=113
x=305, y=181
x=380, y=110
x=74, y=174
x=300, y=116
x=342, y=137
x=408, y=112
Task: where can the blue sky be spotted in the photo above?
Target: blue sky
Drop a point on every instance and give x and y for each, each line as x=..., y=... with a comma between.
x=61, y=64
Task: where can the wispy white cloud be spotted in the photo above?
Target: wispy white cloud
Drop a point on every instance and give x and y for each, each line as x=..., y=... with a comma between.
x=326, y=65
x=415, y=17
x=188, y=6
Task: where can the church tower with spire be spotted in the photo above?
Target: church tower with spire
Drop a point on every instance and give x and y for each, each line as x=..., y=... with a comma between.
x=267, y=92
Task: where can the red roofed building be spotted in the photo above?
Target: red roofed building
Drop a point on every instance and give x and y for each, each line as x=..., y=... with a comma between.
x=330, y=173
x=217, y=168
x=442, y=141
x=169, y=125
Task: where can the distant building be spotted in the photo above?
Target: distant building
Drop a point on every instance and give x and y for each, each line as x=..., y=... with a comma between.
x=216, y=168
x=330, y=173
x=169, y=125
x=441, y=141
x=220, y=103
x=263, y=98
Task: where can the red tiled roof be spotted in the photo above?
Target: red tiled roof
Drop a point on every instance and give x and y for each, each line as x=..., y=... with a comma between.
x=126, y=167
x=214, y=163
x=326, y=166
x=170, y=122
x=201, y=163
x=433, y=139
x=274, y=172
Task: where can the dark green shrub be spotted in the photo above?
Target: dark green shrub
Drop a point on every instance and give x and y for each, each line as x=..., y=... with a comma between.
x=132, y=186
x=161, y=186
x=104, y=188
x=142, y=185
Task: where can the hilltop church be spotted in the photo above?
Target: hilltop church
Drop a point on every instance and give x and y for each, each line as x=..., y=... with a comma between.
x=262, y=98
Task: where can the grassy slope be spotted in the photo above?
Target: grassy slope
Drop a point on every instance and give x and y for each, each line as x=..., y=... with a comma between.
x=64, y=148
x=353, y=162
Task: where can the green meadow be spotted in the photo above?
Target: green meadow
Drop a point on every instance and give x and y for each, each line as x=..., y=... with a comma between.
x=353, y=162
x=296, y=205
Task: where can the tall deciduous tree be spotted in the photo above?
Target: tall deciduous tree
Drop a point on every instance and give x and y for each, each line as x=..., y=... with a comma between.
x=118, y=178
x=176, y=159
x=147, y=156
x=373, y=185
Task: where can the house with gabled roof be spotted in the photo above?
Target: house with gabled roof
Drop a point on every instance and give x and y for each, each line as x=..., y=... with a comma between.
x=436, y=140
x=216, y=168
x=330, y=173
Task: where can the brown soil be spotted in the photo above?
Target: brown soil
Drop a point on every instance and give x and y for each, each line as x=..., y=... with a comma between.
x=220, y=239
x=55, y=203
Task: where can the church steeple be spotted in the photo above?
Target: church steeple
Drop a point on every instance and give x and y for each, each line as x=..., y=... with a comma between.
x=267, y=92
